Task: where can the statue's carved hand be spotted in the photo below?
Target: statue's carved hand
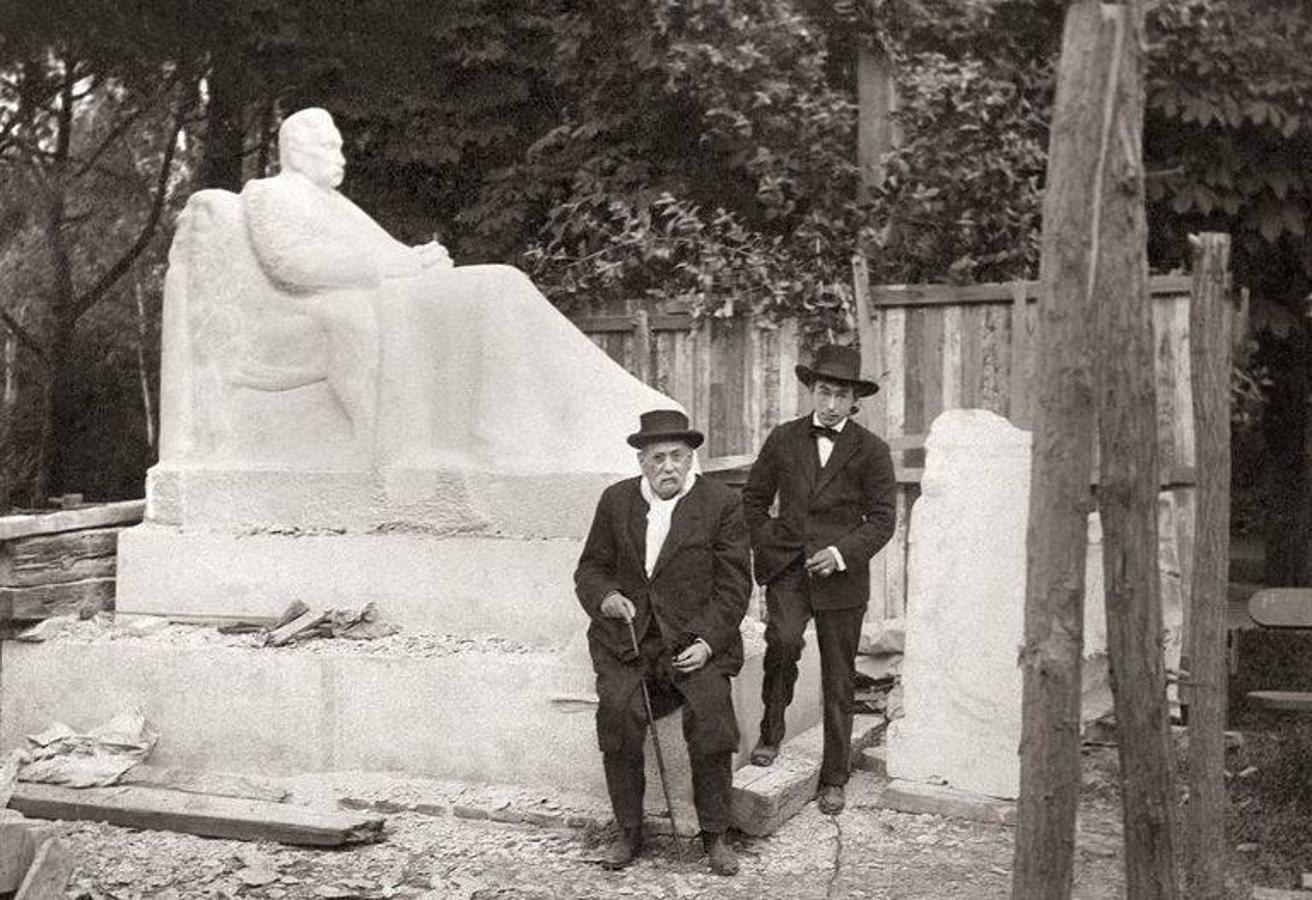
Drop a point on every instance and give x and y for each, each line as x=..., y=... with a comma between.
x=434, y=256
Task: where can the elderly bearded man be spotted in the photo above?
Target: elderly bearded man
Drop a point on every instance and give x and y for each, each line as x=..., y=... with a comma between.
x=667, y=551
x=835, y=485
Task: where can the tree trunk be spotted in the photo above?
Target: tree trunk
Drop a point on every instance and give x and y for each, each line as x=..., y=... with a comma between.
x=1209, y=356
x=8, y=413
x=1060, y=499
x=143, y=335
x=224, y=133
x=1128, y=483
x=876, y=100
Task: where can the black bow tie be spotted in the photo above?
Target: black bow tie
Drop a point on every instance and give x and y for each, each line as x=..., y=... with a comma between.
x=824, y=431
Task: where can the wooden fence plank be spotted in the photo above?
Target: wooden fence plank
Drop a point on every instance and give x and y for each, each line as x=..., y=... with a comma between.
x=953, y=369
x=1182, y=431
x=893, y=327
x=1021, y=395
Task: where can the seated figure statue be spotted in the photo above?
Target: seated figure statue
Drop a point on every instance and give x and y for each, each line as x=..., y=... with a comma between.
x=299, y=333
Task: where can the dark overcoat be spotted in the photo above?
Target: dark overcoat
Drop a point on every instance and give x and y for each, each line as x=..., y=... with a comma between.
x=698, y=589
x=849, y=504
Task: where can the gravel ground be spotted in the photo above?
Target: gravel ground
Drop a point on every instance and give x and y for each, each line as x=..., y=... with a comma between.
x=866, y=852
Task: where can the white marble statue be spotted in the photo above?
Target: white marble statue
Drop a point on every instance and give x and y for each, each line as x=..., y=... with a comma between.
x=299, y=333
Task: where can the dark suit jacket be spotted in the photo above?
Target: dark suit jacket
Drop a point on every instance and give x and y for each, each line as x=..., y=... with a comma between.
x=698, y=588
x=849, y=504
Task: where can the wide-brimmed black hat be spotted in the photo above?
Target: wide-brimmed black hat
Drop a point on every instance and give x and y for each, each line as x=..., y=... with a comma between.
x=664, y=425
x=836, y=363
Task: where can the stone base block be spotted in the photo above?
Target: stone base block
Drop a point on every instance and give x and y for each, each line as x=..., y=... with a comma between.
x=524, y=718
x=764, y=797
x=517, y=588
x=915, y=797
x=419, y=498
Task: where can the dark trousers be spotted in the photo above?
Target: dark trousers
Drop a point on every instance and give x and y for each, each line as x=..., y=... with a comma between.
x=838, y=632
x=709, y=727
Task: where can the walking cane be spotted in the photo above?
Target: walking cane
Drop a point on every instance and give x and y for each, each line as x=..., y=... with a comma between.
x=655, y=737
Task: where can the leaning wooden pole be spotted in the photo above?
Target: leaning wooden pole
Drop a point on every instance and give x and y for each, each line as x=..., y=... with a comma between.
x=1128, y=484
x=1060, y=499
x=1209, y=358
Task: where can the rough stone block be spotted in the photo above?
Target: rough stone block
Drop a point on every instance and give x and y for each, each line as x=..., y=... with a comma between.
x=914, y=797
x=1265, y=893
x=764, y=797
x=873, y=760
x=17, y=847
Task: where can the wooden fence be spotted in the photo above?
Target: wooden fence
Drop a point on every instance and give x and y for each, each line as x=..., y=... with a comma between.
x=938, y=347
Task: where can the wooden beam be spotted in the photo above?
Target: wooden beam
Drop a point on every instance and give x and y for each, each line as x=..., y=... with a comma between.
x=1001, y=292
x=88, y=596
x=221, y=817
x=126, y=512
x=1205, y=687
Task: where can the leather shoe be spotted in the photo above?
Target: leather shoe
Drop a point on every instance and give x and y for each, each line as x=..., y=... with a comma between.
x=831, y=799
x=623, y=850
x=763, y=754
x=720, y=852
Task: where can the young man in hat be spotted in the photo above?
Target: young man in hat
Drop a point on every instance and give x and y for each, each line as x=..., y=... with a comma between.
x=667, y=554
x=836, y=488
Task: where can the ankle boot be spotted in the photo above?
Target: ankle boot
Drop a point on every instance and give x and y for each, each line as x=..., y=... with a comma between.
x=720, y=853
x=624, y=849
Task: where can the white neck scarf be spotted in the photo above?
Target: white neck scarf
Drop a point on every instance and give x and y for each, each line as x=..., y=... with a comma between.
x=659, y=513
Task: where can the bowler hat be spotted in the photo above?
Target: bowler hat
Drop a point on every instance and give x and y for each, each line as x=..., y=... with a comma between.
x=835, y=363
x=664, y=425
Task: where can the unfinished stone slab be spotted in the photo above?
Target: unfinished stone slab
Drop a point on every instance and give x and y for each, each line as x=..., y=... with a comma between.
x=764, y=797
x=479, y=716
x=965, y=608
x=939, y=800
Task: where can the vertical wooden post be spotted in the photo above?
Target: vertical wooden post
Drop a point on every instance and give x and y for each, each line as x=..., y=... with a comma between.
x=1209, y=327
x=642, y=346
x=866, y=334
x=1059, y=494
x=1127, y=489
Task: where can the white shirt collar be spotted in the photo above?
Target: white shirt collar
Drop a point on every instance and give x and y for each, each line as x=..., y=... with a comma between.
x=815, y=420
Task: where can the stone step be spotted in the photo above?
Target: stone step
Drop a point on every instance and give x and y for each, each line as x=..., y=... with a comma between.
x=940, y=800
x=498, y=713
x=764, y=797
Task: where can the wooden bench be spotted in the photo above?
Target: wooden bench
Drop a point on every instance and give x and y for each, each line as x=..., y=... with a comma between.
x=1282, y=608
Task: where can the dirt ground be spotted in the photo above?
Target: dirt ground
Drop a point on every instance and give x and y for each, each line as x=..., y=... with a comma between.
x=866, y=852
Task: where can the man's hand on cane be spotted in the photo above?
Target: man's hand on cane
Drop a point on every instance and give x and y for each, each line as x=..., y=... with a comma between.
x=618, y=606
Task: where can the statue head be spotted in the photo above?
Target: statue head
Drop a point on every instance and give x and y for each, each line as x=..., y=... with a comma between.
x=309, y=143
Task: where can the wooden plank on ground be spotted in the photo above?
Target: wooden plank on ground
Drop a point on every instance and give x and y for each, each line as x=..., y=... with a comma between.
x=222, y=817
x=43, y=601
x=126, y=512
x=48, y=875
x=191, y=781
